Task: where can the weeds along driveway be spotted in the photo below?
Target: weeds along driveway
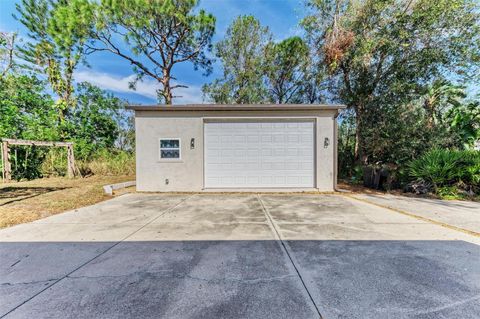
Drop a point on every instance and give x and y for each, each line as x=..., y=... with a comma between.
x=242, y=256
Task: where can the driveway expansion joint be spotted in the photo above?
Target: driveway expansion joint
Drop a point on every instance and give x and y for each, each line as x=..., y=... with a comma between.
x=286, y=249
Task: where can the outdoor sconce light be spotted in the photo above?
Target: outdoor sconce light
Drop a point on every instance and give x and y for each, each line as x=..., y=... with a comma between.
x=326, y=142
x=192, y=143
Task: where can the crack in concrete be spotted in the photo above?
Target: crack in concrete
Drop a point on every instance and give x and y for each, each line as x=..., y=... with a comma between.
x=322, y=223
x=210, y=223
x=27, y=282
x=170, y=274
x=450, y=305
x=431, y=310
x=21, y=259
x=246, y=281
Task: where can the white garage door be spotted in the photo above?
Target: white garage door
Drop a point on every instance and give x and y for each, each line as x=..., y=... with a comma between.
x=259, y=154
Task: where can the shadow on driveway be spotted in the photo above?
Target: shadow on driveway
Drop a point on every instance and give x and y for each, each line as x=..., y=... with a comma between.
x=240, y=279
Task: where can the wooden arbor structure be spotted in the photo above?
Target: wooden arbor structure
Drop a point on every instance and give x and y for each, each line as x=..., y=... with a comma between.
x=7, y=168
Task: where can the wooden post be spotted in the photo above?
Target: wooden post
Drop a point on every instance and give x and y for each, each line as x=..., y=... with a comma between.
x=70, y=161
x=7, y=168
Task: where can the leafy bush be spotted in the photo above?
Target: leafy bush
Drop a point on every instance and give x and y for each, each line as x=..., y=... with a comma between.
x=440, y=167
x=94, y=124
x=445, y=168
x=26, y=161
x=472, y=170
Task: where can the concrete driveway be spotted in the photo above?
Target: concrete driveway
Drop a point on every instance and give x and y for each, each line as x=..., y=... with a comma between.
x=459, y=214
x=237, y=256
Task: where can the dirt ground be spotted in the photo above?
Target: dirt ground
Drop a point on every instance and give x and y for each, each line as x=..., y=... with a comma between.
x=357, y=188
x=22, y=202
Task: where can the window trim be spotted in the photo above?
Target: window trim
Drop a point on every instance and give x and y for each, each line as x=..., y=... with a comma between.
x=173, y=159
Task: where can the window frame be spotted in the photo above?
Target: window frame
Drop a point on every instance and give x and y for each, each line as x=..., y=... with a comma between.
x=179, y=148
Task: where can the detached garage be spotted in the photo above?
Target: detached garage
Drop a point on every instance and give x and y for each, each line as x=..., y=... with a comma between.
x=236, y=147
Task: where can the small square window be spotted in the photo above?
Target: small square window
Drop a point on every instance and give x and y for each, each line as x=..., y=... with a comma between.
x=169, y=148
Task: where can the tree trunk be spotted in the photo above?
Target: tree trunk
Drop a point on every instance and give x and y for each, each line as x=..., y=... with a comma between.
x=357, y=134
x=167, y=90
x=70, y=162
x=359, y=153
x=7, y=167
x=61, y=115
x=429, y=108
x=357, y=141
x=167, y=94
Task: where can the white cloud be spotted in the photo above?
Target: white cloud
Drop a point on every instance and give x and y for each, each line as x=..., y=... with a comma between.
x=120, y=84
x=147, y=87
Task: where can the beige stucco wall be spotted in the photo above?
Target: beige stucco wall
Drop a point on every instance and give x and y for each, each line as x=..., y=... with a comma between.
x=186, y=174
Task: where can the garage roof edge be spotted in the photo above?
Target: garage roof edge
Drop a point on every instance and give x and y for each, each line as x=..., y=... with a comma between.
x=236, y=107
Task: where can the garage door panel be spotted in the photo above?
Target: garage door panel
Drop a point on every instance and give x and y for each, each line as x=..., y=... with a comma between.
x=259, y=154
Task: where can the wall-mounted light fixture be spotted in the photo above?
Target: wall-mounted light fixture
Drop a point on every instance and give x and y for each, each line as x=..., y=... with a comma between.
x=192, y=143
x=326, y=142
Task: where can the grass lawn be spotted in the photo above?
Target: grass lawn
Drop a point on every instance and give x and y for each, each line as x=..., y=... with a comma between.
x=22, y=202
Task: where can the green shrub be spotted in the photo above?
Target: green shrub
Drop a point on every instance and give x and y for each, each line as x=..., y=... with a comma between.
x=26, y=162
x=449, y=192
x=445, y=168
x=472, y=170
x=440, y=167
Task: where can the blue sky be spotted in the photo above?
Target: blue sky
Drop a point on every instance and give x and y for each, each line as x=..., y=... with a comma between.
x=113, y=73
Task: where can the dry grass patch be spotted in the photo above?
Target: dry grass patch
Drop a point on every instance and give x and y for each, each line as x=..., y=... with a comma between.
x=27, y=201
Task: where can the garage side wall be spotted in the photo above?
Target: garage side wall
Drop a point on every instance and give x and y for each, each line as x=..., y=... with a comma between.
x=326, y=144
x=187, y=173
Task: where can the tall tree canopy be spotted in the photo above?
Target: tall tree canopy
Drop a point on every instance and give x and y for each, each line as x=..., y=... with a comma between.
x=287, y=63
x=57, y=35
x=94, y=123
x=385, y=52
x=25, y=109
x=153, y=36
x=242, y=53
x=257, y=69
